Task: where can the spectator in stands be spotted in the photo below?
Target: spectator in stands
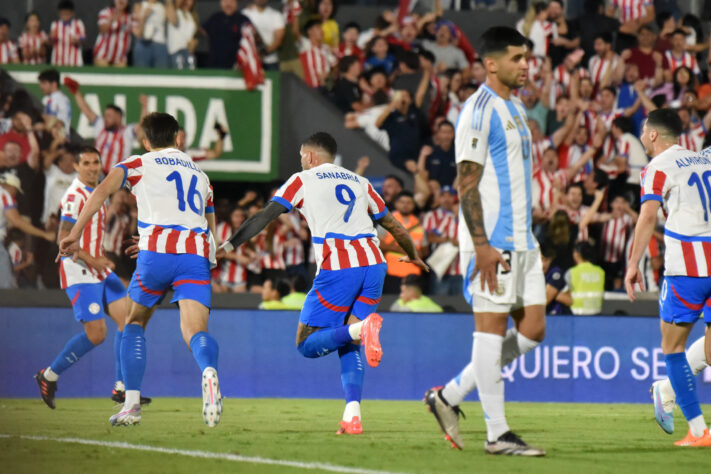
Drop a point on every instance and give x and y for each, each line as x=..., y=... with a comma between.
x=56, y=104
x=316, y=58
x=20, y=256
x=378, y=56
x=412, y=300
x=554, y=281
x=289, y=60
x=19, y=144
x=478, y=72
x=591, y=24
x=296, y=232
x=149, y=49
x=447, y=56
x=538, y=29
x=403, y=122
x=121, y=223
x=114, y=39
x=407, y=39
x=33, y=41
x=392, y=187
x=67, y=35
x=585, y=283
x=224, y=31
x=677, y=56
x=651, y=64
x=331, y=35
x=59, y=172
x=272, y=293
x=113, y=139
x=200, y=154
x=405, y=215
x=631, y=155
x=8, y=48
x=232, y=275
x=568, y=38
x=632, y=15
x=535, y=110
x=349, y=43
x=180, y=34
x=441, y=226
x=438, y=159
x=617, y=230
x=297, y=296
x=411, y=71
x=606, y=67
x=271, y=28
x=346, y=92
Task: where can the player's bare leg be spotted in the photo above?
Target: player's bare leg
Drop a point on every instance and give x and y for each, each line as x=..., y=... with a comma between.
x=674, y=338
x=193, y=325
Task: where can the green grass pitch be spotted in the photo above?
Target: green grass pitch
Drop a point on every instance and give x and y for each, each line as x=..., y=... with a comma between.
x=398, y=437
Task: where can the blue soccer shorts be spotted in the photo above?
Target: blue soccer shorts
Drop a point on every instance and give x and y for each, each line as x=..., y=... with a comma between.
x=187, y=274
x=336, y=294
x=90, y=299
x=683, y=299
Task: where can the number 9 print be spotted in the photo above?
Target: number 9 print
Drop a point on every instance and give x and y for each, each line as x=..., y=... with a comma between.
x=350, y=201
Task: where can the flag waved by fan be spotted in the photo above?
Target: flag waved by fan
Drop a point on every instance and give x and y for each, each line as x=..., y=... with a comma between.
x=248, y=58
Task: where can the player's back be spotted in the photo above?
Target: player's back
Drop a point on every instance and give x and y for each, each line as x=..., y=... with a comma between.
x=172, y=195
x=681, y=180
x=339, y=207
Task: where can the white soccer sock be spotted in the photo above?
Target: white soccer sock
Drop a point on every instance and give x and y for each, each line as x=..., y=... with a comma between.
x=50, y=375
x=119, y=386
x=697, y=426
x=354, y=330
x=133, y=397
x=515, y=344
x=487, y=371
x=696, y=355
x=352, y=409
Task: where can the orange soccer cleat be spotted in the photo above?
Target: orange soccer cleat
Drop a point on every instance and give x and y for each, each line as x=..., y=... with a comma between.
x=353, y=427
x=371, y=340
x=703, y=441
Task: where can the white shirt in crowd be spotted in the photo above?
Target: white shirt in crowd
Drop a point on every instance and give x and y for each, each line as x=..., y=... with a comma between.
x=56, y=184
x=154, y=26
x=58, y=105
x=180, y=35
x=267, y=22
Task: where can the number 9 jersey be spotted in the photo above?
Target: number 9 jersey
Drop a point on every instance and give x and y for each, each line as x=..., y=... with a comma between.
x=340, y=208
x=173, y=196
x=681, y=181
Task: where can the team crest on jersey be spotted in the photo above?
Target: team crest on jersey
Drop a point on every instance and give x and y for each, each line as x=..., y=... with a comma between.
x=94, y=308
x=69, y=206
x=510, y=125
x=474, y=142
x=518, y=121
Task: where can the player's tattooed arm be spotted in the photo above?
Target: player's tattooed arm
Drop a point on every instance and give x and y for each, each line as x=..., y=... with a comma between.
x=402, y=237
x=469, y=175
x=253, y=225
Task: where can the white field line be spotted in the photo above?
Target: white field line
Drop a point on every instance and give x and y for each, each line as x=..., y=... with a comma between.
x=204, y=454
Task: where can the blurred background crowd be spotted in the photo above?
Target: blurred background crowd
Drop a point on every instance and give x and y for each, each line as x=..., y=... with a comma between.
x=594, y=73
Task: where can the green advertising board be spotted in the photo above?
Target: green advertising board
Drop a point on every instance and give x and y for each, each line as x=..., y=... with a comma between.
x=198, y=99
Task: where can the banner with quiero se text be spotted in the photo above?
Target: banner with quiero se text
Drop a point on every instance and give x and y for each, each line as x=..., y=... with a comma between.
x=198, y=100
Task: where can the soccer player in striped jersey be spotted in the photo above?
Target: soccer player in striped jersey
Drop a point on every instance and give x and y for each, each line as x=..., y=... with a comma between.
x=504, y=273
x=67, y=35
x=92, y=287
x=338, y=314
x=677, y=180
x=176, y=224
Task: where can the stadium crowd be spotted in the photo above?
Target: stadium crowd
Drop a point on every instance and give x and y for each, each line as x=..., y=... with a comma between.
x=403, y=80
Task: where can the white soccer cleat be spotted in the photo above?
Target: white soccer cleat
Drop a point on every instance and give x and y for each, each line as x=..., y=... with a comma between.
x=663, y=406
x=211, y=397
x=126, y=417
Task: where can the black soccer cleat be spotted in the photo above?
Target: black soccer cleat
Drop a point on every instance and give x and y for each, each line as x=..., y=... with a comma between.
x=447, y=416
x=119, y=396
x=511, y=444
x=47, y=389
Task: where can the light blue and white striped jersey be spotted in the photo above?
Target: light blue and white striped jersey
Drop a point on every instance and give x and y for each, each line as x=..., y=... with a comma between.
x=494, y=133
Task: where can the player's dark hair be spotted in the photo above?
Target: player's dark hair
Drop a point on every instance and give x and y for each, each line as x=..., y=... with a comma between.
x=497, y=39
x=85, y=149
x=160, y=129
x=606, y=36
x=410, y=59
x=282, y=287
x=586, y=251
x=624, y=124
x=666, y=122
x=324, y=141
x=346, y=62
x=65, y=5
x=116, y=109
x=49, y=75
x=396, y=178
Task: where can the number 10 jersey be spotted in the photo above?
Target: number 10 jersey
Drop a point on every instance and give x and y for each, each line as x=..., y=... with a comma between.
x=339, y=207
x=173, y=196
x=681, y=180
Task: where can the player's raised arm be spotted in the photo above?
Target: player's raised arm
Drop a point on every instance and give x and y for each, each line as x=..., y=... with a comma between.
x=70, y=244
x=402, y=237
x=253, y=225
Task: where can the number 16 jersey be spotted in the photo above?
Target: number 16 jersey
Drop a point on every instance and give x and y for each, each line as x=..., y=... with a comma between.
x=681, y=180
x=339, y=207
x=173, y=197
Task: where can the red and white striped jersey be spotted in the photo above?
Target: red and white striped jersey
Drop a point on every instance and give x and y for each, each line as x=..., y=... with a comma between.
x=615, y=234
x=116, y=229
x=443, y=223
x=8, y=52
x=230, y=272
x=608, y=145
x=693, y=138
x=575, y=216
x=678, y=179
x=173, y=197
x=113, y=46
x=248, y=59
x=6, y=202
x=629, y=147
x=271, y=253
x=534, y=68
x=629, y=10
x=91, y=241
x=114, y=145
x=316, y=61
x=340, y=208
x=598, y=67
x=544, y=184
x=34, y=43
x=561, y=78
x=687, y=59
x=572, y=155
x=294, y=247
x=15, y=254
x=66, y=42
x=537, y=149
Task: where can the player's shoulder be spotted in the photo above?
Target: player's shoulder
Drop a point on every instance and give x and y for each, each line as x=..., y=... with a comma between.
x=677, y=158
x=74, y=192
x=477, y=109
